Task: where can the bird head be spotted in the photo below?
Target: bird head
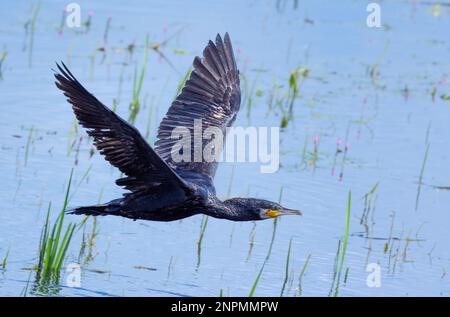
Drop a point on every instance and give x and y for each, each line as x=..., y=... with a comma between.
x=269, y=209
x=258, y=209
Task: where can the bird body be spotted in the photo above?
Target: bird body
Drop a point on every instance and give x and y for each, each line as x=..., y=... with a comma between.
x=160, y=187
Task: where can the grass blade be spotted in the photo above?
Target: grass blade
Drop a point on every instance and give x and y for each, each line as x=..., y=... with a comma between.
x=255, y=284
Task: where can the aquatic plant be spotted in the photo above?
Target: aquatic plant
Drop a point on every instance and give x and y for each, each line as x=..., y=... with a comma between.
x=87, y=24
x=54, y=243
x=106, y=31
x=296, y=78
x=137, y=85
x=374, y=68
x=336, y=153
x=422, y=170
x=258, y=277
x=203, y=225
x=230, y=184
x=149, y=118
x=286, y=274
x=183, y=82
x=62, y=23
x=269, y=251
x=275, y=222
x=88, y=240
x=29, y=141
x=25, y=289
x=3, y=56
x=5, y=259
x=252, y=236
x=340, y=255
x=369, y=206
x=445, y=97
x=30, y=26
x=344, y=159
x=302, y=272
x=335, y=267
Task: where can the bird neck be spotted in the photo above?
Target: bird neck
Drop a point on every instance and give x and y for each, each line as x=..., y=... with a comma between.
x=231, y=209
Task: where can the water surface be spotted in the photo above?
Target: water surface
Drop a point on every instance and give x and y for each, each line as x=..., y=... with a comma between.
x=369, y=88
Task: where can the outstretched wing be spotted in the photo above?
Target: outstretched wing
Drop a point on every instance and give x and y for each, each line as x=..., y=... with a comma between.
x=120, y=143
x=211, y=94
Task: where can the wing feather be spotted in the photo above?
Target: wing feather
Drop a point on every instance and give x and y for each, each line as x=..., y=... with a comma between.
x=120, y=143
x=212, y=94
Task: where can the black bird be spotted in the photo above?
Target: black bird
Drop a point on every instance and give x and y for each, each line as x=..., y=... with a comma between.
x=161, y=189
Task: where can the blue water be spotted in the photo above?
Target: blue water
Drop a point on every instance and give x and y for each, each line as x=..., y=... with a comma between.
x=386, y=123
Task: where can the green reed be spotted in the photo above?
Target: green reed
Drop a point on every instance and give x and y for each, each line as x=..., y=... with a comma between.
x=54, y=243
x=3, y=56
x=29, y=142
x=286, y=274
x=296, y=78
x=5, y=259
x=269, y=251
x=30, y=26
x=341, y=253
x=422, y=170
x=203, y=225
x=183, y=82
x=137, y=84
x=258, y=277
x=302, y=272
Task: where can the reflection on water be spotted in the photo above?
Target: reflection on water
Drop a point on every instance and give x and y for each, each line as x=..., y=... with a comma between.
x=361, y=110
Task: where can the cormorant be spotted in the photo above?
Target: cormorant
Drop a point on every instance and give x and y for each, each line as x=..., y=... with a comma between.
x=161, y=189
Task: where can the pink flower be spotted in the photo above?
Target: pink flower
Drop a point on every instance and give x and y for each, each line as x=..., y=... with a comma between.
x=443, y=80
x=316, y=139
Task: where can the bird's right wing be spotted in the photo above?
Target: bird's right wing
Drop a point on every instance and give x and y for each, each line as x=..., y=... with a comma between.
x=120, y=143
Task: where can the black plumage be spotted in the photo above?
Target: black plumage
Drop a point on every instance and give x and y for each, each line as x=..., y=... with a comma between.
x=159, y=188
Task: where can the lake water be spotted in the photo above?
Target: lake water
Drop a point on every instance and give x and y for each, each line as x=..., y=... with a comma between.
x=379, y=92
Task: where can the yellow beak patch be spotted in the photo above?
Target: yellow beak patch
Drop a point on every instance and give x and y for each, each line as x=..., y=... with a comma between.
x=272, y=213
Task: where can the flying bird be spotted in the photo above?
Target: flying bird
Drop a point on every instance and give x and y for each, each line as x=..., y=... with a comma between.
x=160, y=188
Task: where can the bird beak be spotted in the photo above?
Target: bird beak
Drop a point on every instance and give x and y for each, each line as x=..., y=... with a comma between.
x=272, y=213
x=286, y=211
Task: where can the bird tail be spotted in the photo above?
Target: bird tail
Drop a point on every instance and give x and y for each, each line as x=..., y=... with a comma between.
x=111, y=208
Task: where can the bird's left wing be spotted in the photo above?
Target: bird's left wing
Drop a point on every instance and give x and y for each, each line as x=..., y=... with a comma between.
x=120, y=143
x=212, y=96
